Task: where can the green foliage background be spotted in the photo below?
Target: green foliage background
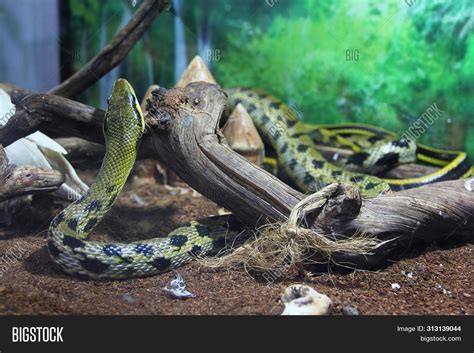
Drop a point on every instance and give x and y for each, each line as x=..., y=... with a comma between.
x=410, y=54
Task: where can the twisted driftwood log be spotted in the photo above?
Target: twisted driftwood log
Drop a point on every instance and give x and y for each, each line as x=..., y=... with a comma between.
x=189, y=141
x=22, y=180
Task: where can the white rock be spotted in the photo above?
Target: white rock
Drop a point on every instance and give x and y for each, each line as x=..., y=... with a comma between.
x=395, y=286
x=350, y=310
x=177, y=288
x=303, y=300
x=469, y=184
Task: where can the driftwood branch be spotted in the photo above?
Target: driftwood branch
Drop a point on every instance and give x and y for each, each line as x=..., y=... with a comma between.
x=59, y=116
x=80, y=150
x=22, y=180
x=51, y=114
x=116, y=51
x=65, y=117
x=10, y=88
x=188, y=140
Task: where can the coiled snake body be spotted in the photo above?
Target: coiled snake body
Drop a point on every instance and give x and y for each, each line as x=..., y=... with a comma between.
x=378, y=150
x=123, y=127
x=68, y=231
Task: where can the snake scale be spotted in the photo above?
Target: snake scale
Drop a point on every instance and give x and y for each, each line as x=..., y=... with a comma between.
x=124, y=125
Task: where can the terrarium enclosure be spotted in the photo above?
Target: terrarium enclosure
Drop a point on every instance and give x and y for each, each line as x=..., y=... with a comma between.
x=322, y=143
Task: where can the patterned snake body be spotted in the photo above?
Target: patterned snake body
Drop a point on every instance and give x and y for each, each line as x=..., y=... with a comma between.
x=67, y=244
x=376, y=150
x=296, y=150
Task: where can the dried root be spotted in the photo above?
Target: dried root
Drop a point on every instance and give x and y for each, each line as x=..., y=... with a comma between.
x=290, y=245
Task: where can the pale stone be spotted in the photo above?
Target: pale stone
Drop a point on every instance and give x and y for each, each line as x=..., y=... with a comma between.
x=242, y=136
x=300, y=299
x=197, y=70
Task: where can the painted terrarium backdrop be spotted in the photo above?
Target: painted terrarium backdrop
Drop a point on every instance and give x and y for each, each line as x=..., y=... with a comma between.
x=380, y=62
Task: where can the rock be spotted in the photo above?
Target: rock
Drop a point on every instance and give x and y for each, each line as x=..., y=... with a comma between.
x=177, y=288
x=469, y=184
x=137, y=199
x=303, y=300
x=197, y=70
x=242, y=135
x=129, y=299
x=349, y=310
x=222, y=211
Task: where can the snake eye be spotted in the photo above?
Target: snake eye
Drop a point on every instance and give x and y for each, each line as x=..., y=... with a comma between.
x=137, y=111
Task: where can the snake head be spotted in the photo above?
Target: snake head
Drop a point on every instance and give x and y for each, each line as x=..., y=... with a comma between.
x=123, y=110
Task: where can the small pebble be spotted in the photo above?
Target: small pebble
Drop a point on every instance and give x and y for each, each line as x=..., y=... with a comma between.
x=395, y=286
x=137, y=199
x=408, y=274
x=469, y=184
x=129, y=299
x=349, y=310
x=177, y=288
x=222, y=211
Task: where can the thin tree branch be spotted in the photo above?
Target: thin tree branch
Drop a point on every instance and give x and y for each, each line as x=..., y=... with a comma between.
x=51, y=114
x=114, y=52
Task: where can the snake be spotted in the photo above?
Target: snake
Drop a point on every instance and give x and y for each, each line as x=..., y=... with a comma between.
x=295, y=145
x=358, y=137
x=68, y=241
x=68, y=233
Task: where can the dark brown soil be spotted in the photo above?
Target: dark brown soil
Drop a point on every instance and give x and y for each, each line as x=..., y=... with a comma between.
x=440, y=283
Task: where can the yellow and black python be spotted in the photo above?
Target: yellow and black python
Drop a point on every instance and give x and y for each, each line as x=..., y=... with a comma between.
x=363, y=138
x=123, y=128
x=376, y=149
